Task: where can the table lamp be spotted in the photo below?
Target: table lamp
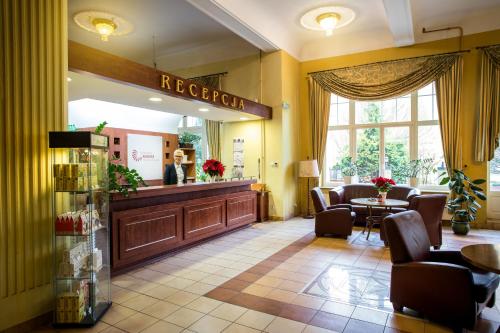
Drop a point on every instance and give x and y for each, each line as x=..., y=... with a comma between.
x=308, y=169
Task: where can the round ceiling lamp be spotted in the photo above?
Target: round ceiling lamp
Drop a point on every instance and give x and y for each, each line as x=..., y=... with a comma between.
x=327, y=18
x=102, y=23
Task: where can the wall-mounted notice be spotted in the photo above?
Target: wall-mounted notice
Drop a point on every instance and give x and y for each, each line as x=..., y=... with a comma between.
x=144, y=154
x=238, y=158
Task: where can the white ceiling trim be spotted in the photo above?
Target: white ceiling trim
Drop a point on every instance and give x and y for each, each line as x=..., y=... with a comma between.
x=400, y=21
x=233, y=23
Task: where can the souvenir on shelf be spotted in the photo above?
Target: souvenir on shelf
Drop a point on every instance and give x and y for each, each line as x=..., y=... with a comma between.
x=81, y=236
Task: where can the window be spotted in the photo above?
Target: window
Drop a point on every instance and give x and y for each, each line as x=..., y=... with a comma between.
x=195, y=125
x=384, y=136
x=494, y=177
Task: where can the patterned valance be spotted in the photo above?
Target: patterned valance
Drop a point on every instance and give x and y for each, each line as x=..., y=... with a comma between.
x=385, y=80
x=212, y=80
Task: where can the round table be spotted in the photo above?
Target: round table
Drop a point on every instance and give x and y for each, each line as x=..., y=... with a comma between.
x=371, y=220
x=484, y=256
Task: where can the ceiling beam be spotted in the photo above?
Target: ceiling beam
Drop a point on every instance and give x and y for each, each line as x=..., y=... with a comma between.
x=233, y=23
x=400, y=21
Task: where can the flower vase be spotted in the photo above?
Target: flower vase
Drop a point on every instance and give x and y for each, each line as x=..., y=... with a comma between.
x=211, y=179
x=382, y=196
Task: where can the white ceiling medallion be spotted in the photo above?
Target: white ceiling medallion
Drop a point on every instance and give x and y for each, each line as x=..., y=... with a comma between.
x=327, y=18
x=102, y=23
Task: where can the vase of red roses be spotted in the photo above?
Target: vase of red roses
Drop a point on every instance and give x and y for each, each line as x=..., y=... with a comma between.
x=213, y=169
x=383, y=185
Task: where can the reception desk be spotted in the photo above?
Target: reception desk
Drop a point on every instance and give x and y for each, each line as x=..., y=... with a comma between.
x=160, y=219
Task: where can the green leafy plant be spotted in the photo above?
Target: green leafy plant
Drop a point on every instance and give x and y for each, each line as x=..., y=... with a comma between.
x=189, y=138
x=427, y=168
x=200, y=175
x=347, y=166
x=121, y=178
x=412, y=168
x=463, y=203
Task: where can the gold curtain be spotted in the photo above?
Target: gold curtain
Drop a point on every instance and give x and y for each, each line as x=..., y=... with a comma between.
x=385, y=80
x=488, y=125
x=212, y=80
x=213, y=138
x=448, y=95
x=319, y=109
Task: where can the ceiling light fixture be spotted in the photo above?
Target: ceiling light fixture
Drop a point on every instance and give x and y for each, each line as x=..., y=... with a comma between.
x=102, y=23
x=68, y=79
x=243, y=118
x=203, y=110
x=155, y=99
x=327, y=19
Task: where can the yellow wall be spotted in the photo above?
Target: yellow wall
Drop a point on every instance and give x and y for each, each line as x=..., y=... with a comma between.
x=251, y=132
x=242, y=78
x=33, y=62
x=469, y=97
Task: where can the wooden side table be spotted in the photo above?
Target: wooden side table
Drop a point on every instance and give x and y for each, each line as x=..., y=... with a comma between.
x=262, y=206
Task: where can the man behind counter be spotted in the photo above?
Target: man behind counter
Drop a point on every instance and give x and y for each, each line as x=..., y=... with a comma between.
x=176, y=173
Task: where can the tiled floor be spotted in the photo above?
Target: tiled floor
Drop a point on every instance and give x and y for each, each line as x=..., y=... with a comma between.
x=271, y=277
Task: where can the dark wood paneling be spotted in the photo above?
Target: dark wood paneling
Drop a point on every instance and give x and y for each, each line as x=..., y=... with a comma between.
x=82, y=58
x=241, y=210
x=205, y=218
x=143, y=233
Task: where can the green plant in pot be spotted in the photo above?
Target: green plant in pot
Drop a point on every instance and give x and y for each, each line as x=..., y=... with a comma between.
x=463, y=203
x=349, y=170
x=187, y=139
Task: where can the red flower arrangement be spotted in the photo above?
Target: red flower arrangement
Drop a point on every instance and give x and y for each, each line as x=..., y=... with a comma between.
x=383, y=184
x=213, y=168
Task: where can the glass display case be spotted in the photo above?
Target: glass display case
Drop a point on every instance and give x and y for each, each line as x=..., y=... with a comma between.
x=81, y=235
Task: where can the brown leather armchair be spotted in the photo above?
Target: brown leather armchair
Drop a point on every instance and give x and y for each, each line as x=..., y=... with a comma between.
x=335, y=220
x=431, y=207
x=440, y=285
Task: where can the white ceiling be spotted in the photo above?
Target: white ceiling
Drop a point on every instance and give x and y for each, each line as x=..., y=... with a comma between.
x=379, y=23
x=184, y=36
x=86, y=86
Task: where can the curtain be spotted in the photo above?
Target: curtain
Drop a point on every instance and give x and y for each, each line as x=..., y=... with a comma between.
x=212, y=128
x=319, y=108
x=448, y=95
x=385, y=80
x=488, y=125
x=212, y=80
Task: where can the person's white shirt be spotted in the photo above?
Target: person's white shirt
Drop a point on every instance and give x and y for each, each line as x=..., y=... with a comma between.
x=180, y=173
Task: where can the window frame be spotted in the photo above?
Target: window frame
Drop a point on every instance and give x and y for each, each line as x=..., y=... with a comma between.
x=412, y=124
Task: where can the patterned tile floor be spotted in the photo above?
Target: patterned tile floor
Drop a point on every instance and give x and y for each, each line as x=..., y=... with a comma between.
x=272, y=277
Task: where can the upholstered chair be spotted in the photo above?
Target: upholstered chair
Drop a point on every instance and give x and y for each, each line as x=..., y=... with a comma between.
x=335, y=220
x=440, y=285
x=431, y=207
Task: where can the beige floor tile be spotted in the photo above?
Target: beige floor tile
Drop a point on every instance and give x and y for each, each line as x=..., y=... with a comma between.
x=216, y=279
x=123, y=295
x=161, y=309
x=257, y=290
x=112, y=329
x=237, y=328
x=292, y=286
x=228, y=311
x=203, y=304
x=281, y=325
x=229, y=272
x=161, y=292
x=200, y=288
x=136, y=323
x=184, y=317
x=308, y=301
x=255, y=319
x=117, y=313
x=139, y=302
x=209, y=324
x=315, y=329
x=337, y=308
x=435, y=328
x=163, y=327
x=97, y=328
x=369, y=315
x=404, y=323
x=181, y=298
x=282, y=295
x=269, y=281
x=179, y=283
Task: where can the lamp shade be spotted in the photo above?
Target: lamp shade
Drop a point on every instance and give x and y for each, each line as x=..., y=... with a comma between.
x=308, y=168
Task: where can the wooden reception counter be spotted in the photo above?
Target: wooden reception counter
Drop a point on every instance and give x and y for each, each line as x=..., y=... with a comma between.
x=159, y=219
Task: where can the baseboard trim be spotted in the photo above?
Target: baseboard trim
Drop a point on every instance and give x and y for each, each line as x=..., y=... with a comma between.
x=30, y=325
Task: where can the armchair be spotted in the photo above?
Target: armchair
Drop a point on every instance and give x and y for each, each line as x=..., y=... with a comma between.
x=336, y=219
x=431, y=207
x=438, y=284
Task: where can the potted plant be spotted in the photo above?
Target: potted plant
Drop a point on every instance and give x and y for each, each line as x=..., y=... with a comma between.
x=187, y=139
x=349, y=170
x=411, y=170
x=213, y=168
x=463, y=203
x=383, y=185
